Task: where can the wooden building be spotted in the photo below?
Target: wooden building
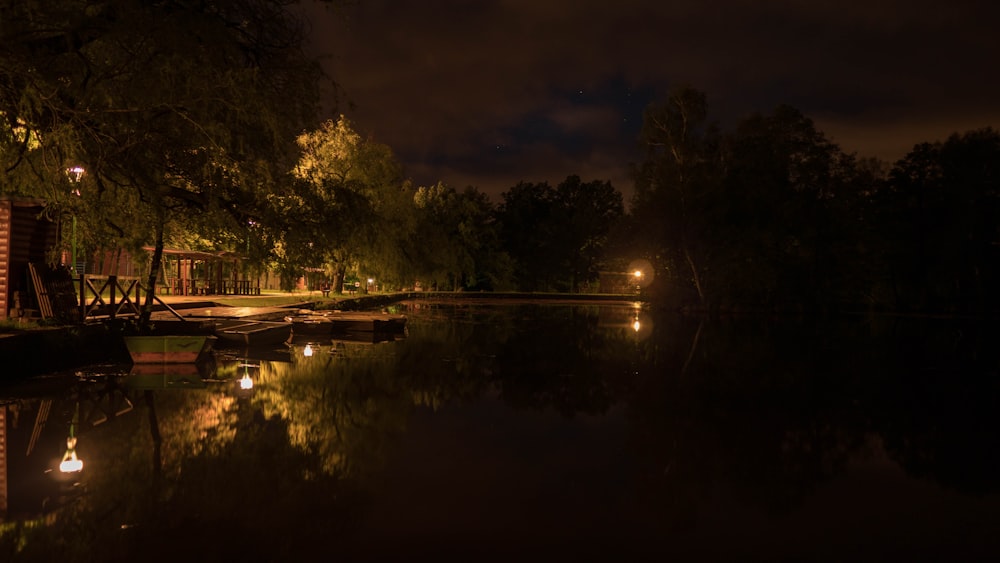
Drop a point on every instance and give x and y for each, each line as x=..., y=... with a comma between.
x=26, y=236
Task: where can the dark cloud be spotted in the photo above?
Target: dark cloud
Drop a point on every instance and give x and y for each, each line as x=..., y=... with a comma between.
x=489, y=93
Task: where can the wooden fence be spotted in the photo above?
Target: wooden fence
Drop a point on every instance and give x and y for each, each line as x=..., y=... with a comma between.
x=109, y=296
x=68, y=299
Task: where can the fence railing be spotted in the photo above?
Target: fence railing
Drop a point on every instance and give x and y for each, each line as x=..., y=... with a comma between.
x=109, y=296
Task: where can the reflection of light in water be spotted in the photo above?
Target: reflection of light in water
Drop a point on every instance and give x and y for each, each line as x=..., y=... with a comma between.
x=70, y=463
x=245, y=381
x=308, y=350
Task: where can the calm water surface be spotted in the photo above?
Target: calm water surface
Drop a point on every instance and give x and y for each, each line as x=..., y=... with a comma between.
x=524, y=433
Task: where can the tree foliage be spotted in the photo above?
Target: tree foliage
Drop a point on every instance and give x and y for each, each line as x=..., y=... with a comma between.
x=775, y=216
x=457, y=243
x=939, y=225
x=557, y=236
x=342, y=209
x=178, y=106
x=676, y=188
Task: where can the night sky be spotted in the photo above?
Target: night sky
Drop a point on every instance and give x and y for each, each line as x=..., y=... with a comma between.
x=488, y=93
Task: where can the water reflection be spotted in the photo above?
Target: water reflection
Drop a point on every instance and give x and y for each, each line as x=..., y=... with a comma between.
x=513, y=431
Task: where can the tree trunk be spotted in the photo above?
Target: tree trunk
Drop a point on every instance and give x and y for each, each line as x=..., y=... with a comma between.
x=694, y=276
x=338, y=279
x=154, y=272
x=154, y=431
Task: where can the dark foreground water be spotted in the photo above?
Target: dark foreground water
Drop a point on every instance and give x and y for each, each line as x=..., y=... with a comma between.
x=525, y=433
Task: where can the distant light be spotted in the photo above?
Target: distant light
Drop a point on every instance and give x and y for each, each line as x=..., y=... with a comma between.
x=307, y=351
x=636, y=326
x=246, y=382
x=75, y=173
x=638, y=273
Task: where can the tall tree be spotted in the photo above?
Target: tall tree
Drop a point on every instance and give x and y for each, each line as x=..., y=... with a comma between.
x=779, y=227
x=350, y=208
x=558, y=235
x=586, y=214
x=676, y=184
x=939, y=215
x=458, y=243
x=526, y=216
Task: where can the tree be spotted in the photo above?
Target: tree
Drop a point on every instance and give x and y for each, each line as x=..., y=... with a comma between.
x=558, y=235
x=768, y=216
x=589, y=211
x=526, y=217
x=348, y=206
x=188, y=106
x=676, y=185
x=458, y=247
x=939, y=229
x=779, y=222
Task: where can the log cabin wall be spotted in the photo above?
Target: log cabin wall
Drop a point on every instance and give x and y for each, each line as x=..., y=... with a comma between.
x=5, y=206
x=25, y=236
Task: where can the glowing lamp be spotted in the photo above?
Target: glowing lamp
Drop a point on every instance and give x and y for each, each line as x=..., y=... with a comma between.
x=307, y=351
x=70, y=463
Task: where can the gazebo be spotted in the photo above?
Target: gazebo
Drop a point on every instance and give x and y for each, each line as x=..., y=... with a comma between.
x=195, y=272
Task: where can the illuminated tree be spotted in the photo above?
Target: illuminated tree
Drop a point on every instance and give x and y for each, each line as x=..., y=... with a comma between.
x=345, y=203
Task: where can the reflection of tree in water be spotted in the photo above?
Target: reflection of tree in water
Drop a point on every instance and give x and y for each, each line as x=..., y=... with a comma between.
x=558, y=358
x=767, y=411
x=343, y=404
x=762, y=412
x=939, y=405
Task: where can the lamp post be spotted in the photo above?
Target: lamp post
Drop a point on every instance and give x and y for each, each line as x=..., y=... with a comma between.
x=75, y=174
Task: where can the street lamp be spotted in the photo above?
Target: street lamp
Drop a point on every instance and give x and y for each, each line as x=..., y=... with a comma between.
x=74, y=174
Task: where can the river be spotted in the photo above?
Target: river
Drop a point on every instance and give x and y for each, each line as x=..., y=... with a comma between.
x=524, y=432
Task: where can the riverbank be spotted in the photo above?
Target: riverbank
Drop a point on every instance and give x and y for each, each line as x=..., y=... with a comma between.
x=38, y=349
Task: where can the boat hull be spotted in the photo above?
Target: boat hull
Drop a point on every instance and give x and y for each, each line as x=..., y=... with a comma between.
x=168, y=349
x=254, y=333
x=335, y=322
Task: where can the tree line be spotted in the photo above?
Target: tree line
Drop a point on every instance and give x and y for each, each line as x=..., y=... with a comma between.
x=774, y=216
x=196, y=125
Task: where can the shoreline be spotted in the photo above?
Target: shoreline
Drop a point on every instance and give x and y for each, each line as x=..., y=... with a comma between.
x=48, y=349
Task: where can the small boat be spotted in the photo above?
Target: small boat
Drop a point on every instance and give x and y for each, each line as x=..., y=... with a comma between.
x=326, y=322
x=254, y=333
x=168, y=349
x=308, y=324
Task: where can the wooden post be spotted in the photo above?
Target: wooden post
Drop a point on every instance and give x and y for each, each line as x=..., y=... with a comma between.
x=113, y=282
x=83, y=297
